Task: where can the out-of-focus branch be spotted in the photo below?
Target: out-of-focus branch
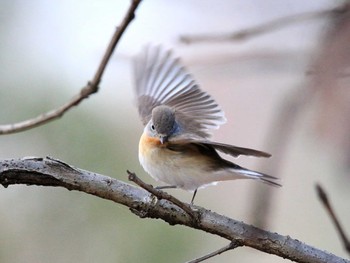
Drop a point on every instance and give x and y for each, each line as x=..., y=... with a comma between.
x=248, y=33
x=278, y=142
x=327, y=205
x=51, y=172
x=322, y=84
x=90, y=88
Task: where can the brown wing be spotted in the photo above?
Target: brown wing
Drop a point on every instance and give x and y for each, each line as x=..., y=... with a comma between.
x=161, y=79
x=232, y=150
x=236, y=151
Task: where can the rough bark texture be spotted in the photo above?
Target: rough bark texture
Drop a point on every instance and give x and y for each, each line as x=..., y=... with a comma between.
x=50, y=172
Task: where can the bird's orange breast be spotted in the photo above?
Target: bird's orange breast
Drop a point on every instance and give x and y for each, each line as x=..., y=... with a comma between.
x=148, y=143
x=145, y=139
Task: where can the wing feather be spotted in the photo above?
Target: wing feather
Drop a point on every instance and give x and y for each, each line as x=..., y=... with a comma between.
x=232, y=150
x=161, y=79
x=236, y=151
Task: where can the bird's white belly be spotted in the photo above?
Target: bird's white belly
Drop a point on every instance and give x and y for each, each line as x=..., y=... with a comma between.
x=173, y=168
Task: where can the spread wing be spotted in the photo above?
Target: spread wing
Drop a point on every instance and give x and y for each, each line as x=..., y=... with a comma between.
x=161, y=79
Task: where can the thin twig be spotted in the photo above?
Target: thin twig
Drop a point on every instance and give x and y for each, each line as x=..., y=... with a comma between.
x=163, y=195
x=255, y=31
x=89, y=89
x=324, y=200
x=230, y=246
x=129, y=16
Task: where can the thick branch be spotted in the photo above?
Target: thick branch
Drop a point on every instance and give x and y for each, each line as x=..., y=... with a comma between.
x=50, y=172
x=90, y=88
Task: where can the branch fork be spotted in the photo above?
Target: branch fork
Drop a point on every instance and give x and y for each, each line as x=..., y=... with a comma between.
x=159, y=194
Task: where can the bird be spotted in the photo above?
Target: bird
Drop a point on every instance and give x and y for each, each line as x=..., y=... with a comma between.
x=179, y=118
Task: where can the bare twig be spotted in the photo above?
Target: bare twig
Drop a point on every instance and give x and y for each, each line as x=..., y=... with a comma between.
x=230, y=246
x=255, y=31
x=51, y=172
x=324, y=200
x=163, y=195
x=89, y=89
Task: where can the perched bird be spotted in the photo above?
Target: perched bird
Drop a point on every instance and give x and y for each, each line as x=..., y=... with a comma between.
x=178, y=116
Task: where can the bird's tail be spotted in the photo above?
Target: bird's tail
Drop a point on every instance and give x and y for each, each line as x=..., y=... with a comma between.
x=267, y=179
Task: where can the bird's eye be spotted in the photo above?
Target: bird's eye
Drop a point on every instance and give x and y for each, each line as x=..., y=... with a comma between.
x=152, y=127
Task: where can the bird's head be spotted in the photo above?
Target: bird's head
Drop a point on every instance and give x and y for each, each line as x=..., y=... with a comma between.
x=162, y=123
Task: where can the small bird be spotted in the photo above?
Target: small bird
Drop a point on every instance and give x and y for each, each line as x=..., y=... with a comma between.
x=178, y=117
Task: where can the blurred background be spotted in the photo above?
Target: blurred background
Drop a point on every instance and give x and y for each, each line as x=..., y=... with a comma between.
x=285, y=92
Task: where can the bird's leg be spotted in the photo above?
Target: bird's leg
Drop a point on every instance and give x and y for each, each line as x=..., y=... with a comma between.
x=174, y=186
x=165, y=187
x=194, y=195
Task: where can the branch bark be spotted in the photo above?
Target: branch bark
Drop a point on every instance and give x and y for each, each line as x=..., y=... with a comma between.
x=50, y=172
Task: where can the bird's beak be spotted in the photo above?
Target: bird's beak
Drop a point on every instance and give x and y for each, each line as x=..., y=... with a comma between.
x=163, y=139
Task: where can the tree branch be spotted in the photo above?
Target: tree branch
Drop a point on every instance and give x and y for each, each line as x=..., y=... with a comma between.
x=50, y=172
x=327, y=205
x=90, y=88
x=246, y=34
x=230, y=246
x=163, y=195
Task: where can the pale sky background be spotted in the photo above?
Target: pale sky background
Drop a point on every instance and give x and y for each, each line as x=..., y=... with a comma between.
x=50, y=49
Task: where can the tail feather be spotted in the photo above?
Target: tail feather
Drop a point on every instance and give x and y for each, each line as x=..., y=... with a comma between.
x=264, y=178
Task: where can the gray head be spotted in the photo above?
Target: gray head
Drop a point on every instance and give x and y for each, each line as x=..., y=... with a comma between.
x=163, y=118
